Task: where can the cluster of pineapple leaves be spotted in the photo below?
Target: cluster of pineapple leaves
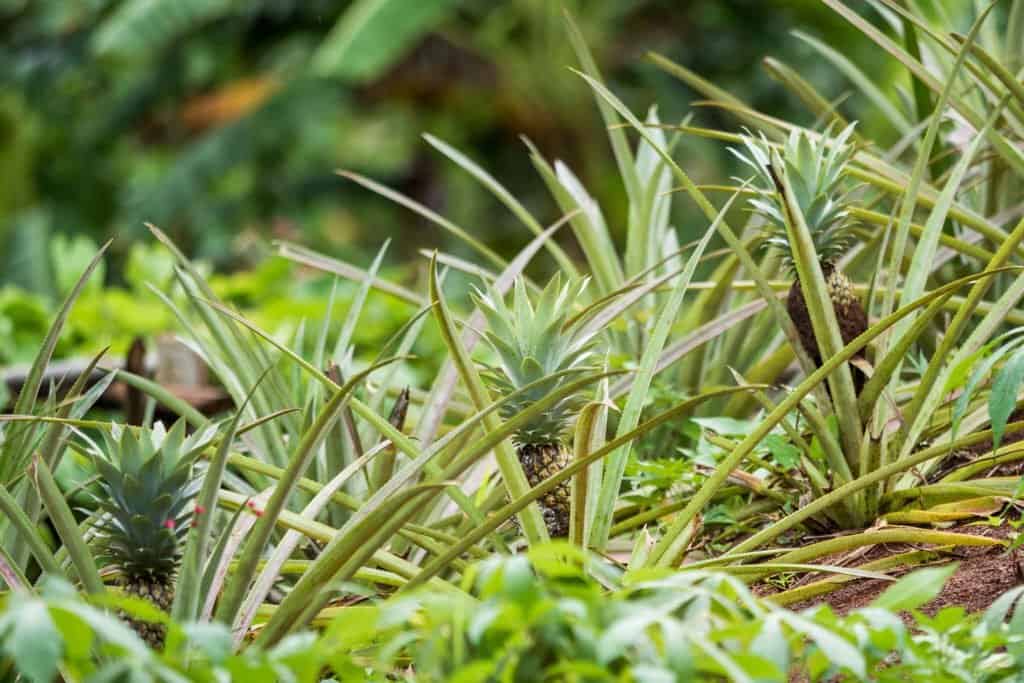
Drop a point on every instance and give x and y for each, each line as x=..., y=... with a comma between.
x=540, y=616
x=331, y=541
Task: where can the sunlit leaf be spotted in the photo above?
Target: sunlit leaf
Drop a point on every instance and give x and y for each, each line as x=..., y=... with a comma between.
x=915, y=589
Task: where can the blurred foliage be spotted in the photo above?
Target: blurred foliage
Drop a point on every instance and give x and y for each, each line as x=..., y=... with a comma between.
x=536, y=617
x=222, y=121
x=276, y=294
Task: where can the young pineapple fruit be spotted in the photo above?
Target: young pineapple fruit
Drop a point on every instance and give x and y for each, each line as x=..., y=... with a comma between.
x=533, y=342
x=143, y=512
x=815, y=170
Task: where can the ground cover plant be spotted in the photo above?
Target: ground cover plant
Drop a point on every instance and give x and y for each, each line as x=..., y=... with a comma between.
x=625, y=471
x=539, y=616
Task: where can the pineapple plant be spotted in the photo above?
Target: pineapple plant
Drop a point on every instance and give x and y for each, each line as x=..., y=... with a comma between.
x=534, y=341
x=143, y=509
x=816, y=169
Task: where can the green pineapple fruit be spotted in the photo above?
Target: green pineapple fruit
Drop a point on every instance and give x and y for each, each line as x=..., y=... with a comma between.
x=146, y=486
x=816, y=171
x=533, y=341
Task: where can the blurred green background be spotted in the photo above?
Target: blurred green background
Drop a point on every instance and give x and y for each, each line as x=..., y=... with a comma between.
x=223, y=122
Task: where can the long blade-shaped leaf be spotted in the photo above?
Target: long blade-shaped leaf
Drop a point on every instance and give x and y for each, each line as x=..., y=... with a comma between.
x=505, y=197
x=821, y=311
x=300, y=459
x=291, y=540
x=187, y=588
x=67, y=528
x=659, y=555
x=617, y=137
x=15, y=454
x=616, y=464
x=511, y=471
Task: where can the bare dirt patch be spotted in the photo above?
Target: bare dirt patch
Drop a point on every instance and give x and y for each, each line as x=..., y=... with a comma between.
x=983, y=575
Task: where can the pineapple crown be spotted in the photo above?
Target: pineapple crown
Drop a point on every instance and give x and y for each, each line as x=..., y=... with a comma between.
x=534, y=342
x=815, y=169
x=146, y=484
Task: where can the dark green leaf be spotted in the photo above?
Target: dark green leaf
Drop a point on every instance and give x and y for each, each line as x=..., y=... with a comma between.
x=1003, y=399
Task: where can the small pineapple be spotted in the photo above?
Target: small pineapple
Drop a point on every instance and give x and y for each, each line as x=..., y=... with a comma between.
x=815, y=171
x=146, y=486
x=534, y=341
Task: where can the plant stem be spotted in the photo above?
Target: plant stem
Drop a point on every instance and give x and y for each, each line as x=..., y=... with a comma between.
x=64, y=522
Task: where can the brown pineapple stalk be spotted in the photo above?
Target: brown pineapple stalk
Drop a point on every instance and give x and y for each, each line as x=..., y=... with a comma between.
x=816, y=171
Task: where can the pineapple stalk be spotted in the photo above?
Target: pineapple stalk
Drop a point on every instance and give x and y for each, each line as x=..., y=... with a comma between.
x=815, y=171
x=540, y=346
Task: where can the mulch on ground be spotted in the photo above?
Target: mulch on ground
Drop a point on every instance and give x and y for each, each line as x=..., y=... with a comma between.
x=984, y=573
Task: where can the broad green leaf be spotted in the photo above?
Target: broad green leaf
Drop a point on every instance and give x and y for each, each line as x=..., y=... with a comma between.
x=372, y=34
x=76, y=635
x=212, y=639
x=32, y=640
x=996, y=614
x=915, y=589
x=785, y=454
x=959, y=373
x=979, y=373
x=771, y=644
x=839, y=650
x=727, y=426
x=140, y=28
x=1003, y=399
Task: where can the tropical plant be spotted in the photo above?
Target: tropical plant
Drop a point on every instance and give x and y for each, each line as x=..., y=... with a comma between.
x=836, y=444
x=311, y=500
x=550, y=614
x=275, y=293
x=815, y=170
x=56, y=633
x=875, y=470
x=540, y=347
x=146, y=487
x=537, y=616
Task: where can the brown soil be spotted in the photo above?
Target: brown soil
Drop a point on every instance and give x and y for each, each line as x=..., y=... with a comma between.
x=972, y=453
x=984, y=574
